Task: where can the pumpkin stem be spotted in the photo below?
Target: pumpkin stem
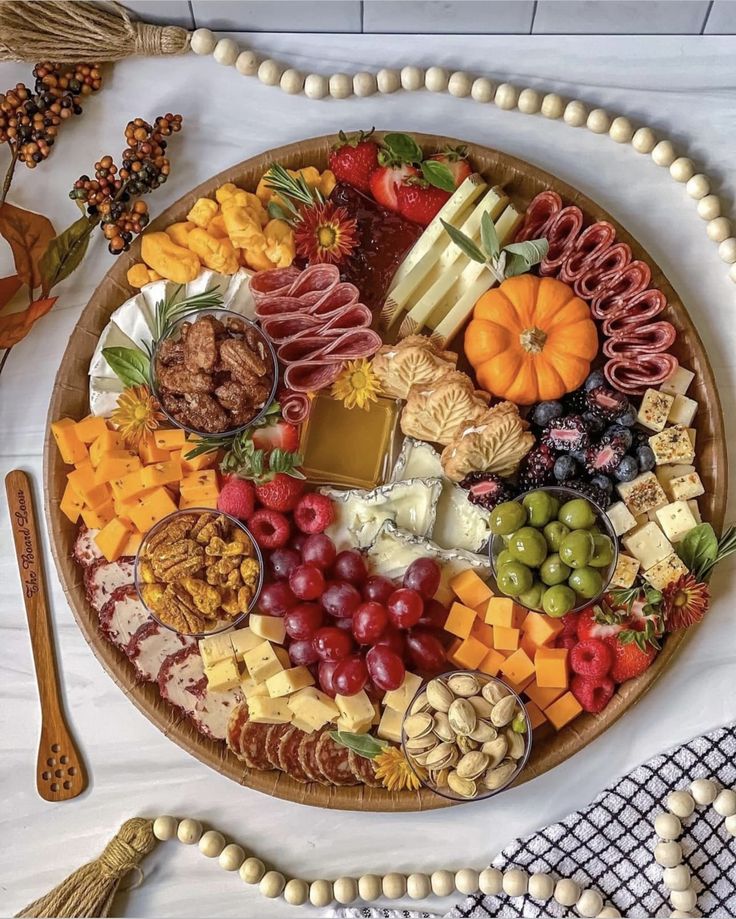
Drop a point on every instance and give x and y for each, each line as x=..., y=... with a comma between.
x=532, y=340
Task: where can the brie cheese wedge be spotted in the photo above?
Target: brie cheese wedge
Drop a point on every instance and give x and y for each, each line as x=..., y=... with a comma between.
x=417, y=459
x=103, y=395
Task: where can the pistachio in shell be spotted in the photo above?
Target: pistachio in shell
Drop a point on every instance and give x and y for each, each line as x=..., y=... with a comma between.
x=441, y=756
x=495, y=750
x=418, y=725
x=463, y=685
x=465, y=788
x=482, y=706
x=498, y=776
x=420, y=744
x=483, y=732
x=503, y=711
x=442, y=726
x=462, y=717
x=494, y=691
x=516, y=742
x=439, y=777
x=465, y=744
x=471, y=765
x=439, y=696
x=420, y=704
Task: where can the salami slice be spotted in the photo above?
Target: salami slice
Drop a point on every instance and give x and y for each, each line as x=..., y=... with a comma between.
x=362, y=769
x=333, y=762
x=274, y=283
x=279, y=306
x=253, y=745
x=632, y=313
x=649, y=338
x=308, y=757
x=311, y=376
x=562, y=232
x=540, y=212
x=337, y=298
x=273, y=739
x=589, y=246
x=181, y=680
x=86, y=552
x=315, y=278
x=102, y=579
x=288, y=755
x=633, y=376
x=149, y=647
x=283, y=328
x=622, y=287
x=294, y=406
x=212, y=712
x=236, y=723
x=603, y=272
x=122, y=616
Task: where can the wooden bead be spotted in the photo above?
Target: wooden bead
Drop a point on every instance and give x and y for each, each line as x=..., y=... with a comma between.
x=718, y=229
x=369, y=887
x=418, y=886
x=553, y=106
x=684, y=900
x=231, y=858
x=668, y=854
x=292, y=82
x=296, y=892
x=316, y=86
x=703, y=791
x=364, y=84
x=567, y=892
x=490, y=881
x=247, y=63
x=393, y=885
x=698, y=186
x=203, y=41
x=609, y=912
x=576, y=114
x=345, y=890
x=682, y=169
x=443, y=883
x=677, y=878
x=663, y=153
x=727, y=250
x=621, y=130
x=436, y=79
x=412, y=78
x=541, y=886
x=164, y=828
x=466, y=880
x=724, y=804
x=460, y=84
x=506, y=96
x=211, y=844
x=667, y=826
x=598, y=121
x=189, y=831
x=270, y=72
x=272, y=884
x=589, y=904
x=680, y=803
x=530, y=101
x=644, y=140
x=709, y=207
x=482, y=90
x=252, y=870
x=388, y=81
x=341, y=86
x=320, y=893
x=226, y=52
x=515, y=882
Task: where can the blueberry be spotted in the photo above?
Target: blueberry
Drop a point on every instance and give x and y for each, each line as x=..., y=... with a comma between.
x=593, y=424
x=627, y=469
x=544, y=412
x=565, y=468
x=602, y=482
x=628, y=419
x=641, y=438
x=595, y=379
x=622, y=434
x=578, y=456
x=645, y=458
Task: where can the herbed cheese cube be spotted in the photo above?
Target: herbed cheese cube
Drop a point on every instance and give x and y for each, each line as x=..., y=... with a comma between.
x=261, y=662
x=665, y=474
x=288, y=681
x=692, y=434
x=263, y=710
x=654, y=409
x=389, y=727
x=223, y=675
x=642, y=494
x=648, y=544
x=676, y=520
x=243, y=640
x=354, y=727
x=355, y=709
x=304, y=726
x=215, y=648
x=251, y=689
x=672, y=445
x=398, y=699
x=679, y=382
x=621, y=518
x=625, y=571
x=314, y=706
x=271, y=628
x=695, y=510
x=666, y=571
x=683, y=411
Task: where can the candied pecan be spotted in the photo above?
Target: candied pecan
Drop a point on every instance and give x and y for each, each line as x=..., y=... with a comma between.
x=217, y=546
x=206, y=528
x=241, y=418
x=178, y=379
x=172, y=532
x=170, y=352
x=205, y=413
x=245, y=595
x=206, y=598
x=249, y=571
x=173, y=403
x=200, y=347
x=178, y=610
x=237, y=325
x=238, y=357
x=177, y=560
x=229, y=602
x=233, y=396
x=255, y=342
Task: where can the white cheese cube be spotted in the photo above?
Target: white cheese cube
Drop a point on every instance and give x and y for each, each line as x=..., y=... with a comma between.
x=684, y=487
x=621, y=518
x=283, y=656
x=288, y=681
x=215, y=648
x=665, y=474
x=676, y=520
x=683, y=411
x=679, y=382
x=648, y=545
x=353, y=727
x=672, y=445
x=389, y=727
x=243, y=640
x=665, y=571
x=271, y=628
x=313, y=707
x=625, y=571
x=263, y=710
x=654, y=409
x=695, y=510
x=223, y=675
x=305, y=726
x=376, y=713
x=399, y=699
x=261, y=662
x=250, y=688
x=642, y=494
x=357, y=708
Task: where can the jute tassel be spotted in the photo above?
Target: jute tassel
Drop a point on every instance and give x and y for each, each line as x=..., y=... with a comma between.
x=76, y=30
x=90, y=890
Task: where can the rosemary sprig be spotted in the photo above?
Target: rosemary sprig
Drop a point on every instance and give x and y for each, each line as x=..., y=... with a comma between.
x=292, y=190
x=168, y=310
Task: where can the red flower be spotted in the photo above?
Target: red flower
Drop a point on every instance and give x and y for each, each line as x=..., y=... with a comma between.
x=325, y=233
x=685, y=602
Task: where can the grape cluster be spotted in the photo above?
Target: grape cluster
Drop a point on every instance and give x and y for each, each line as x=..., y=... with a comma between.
x=113, y=195
x=30, y=119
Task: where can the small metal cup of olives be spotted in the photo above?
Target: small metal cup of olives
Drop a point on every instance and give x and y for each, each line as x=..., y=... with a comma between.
x=553, y=550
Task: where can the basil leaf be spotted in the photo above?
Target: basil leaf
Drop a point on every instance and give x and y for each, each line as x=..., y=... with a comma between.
x=363, y=744
x=403, y=147
x=438, y=174
x=488, y=236
x=699, y=548
x=130, y=365
x=533, y=250
x=65, y=252
x=464, y=243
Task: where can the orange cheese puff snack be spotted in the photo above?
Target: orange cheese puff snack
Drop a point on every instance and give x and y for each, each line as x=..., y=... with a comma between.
x=280, y=249
x=137, y=275
x=203, y=210
x=167, y=259
x=217, y=254
x=179, y=232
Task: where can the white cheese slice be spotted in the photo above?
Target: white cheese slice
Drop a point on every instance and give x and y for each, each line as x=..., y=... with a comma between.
x=679, y=382
x=685, y=487
x=134, y=321
x=112, y=337
x=158, y=291
x=460, y=524
x=672, y=445
x=417, y=460
x=207, y=280
x=695, y=510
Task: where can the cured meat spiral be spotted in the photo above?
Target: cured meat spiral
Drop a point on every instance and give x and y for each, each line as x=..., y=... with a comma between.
x=562, y=232
x=590, y=244
x=294, y=406
x=538, y=216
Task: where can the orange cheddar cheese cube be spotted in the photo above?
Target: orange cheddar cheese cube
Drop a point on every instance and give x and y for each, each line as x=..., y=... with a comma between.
x=71, y=448
x=116, y=464
x=90, y=428
x=502, y=611
x=105, y=443
x=551, y=666
x=543, y=697
x=150, y=453
x=491, y=663
x=207, y=501
x=453, y=646
x=169, y=438
x=161, y=474
x=540, y=628
x=470, y=653
x=505, y=638
x=536, y=715
x=82, y=478
x=98, y=517
x=128, y=486
x=150, y=508
x=469, y=588
x=517, y=667
x=133, y=544
x=203, y=461
x=112, y=539
x=201, y=482
x=483, y=632
x=518, y=687
x=563, y=710
x=71, y=504
x=459, y=620
x=529, y=647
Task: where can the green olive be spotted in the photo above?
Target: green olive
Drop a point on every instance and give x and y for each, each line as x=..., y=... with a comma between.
x=527, y=545
x=532, y=598
x=553, y=570
x=587, y=582
x=602, y=551
x=576, y=549
x=507, y=517
x=578, y=514
x=558, y=600
x=513, y=579
x=503, y=557
x=541, y=507
x=554, y=533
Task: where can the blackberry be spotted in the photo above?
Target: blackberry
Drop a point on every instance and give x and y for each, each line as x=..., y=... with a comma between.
x=544, y=412
x=565, y=468
x=607, y=402
x=602, y=482
x=594, y=380
x=537, y=467
x=605, y=456
x=591, y=492
x=594, y=423
x=566, y=434
x=627, y=470
x=487, y=490
x=575, y=402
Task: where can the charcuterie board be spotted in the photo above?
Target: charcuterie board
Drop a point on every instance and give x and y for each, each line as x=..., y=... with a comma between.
x=520, y=183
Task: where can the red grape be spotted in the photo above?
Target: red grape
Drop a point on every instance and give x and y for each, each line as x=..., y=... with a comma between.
x=332, y=644
x=297, y=541
x=341, y=599
x=394, y=639
x=349, y=566
x=319, y=550
x=385, y=668
x=276, y=599
x=369, y=621
x=423, y=575
x=282, y=561
x=434, y=615
x=426, y=651
x=350, y=675
x=346, y=624
x=325, y=674
x=307, y=582
x=378, y=588
x=302, y=653
x=303, y=620
x=405, y=607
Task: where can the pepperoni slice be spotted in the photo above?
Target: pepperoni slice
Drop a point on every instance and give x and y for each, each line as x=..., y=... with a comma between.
x=589, y=246
x=273, y=739
x=253, y=745
x=283, y=328
x=562, y=233
x=311, y=376
x=333, y=762
x=338, y=297
x=278, y=306
x=236, y=723
x=540, y=212
x=625, y=285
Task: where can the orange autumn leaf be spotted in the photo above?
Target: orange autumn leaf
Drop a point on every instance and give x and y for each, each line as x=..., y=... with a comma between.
x=9, y=287
x=16, y=326
x=29, y=235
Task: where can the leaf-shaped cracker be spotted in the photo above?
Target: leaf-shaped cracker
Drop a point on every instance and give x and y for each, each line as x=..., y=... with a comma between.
x=435, y=411
x=496, y=442
x=413, y=360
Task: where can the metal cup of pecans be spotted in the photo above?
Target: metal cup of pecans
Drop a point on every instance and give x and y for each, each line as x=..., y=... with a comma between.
x=466, y=735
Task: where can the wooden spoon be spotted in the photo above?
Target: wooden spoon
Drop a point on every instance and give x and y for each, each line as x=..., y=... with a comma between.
x=60, y=772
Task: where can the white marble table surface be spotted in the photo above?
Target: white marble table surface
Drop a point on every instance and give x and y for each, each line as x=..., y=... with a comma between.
x=683, y=87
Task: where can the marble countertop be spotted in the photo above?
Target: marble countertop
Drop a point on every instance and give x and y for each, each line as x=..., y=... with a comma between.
x=685, y=88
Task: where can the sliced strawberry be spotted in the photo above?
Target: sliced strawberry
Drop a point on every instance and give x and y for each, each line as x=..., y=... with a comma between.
x=420, y=203
x=279, y=436
x=385, y=181
x=456, y=160
x=354, y=158
x=594, y=624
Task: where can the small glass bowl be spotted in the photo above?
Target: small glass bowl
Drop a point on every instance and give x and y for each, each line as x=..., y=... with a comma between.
x=444, y=791
x=496, y=543
x=174, y=332
x=219, y=625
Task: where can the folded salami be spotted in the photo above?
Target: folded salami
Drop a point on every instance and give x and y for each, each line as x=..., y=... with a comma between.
x=540, y=212
x=561, y=233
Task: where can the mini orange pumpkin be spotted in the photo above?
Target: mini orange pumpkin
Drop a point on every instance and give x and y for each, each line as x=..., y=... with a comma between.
x=531, y=339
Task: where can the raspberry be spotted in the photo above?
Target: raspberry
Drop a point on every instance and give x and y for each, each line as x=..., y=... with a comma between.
x=313, y=513
x=593, y=695
x=591, y=658
x=281, y=493
x=565, y=641
x=270, y=529
x=570, y=625
x=237, y=498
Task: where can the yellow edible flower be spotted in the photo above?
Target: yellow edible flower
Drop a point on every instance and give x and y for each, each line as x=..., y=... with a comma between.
x=136, y=413
x=394, y=772
x=357, y=385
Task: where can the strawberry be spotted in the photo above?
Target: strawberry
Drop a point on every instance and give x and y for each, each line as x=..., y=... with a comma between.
x=456, y=160
x=385, y=181
x=237, y=498
x=595, y=623
x=354, y=158
x=280, y=494
x=630, y=658
x=419, y=202
x=279, y=436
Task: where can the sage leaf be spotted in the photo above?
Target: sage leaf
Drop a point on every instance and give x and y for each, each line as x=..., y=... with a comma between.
x=363, y=744
x=403, y=147
x=464, y=243
x=438, y=174
x=699, y=549
x=130, y=365
x=489, y=236
x=65, y=253
x=515, y=264
x=533, y=250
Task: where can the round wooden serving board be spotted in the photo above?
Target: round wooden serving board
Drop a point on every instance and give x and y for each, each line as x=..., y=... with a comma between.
x=70, y=398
